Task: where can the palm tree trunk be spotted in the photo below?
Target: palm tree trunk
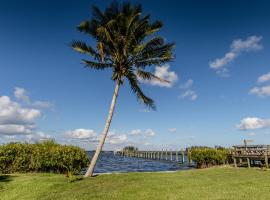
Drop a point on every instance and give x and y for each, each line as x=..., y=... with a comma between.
x=93, y=162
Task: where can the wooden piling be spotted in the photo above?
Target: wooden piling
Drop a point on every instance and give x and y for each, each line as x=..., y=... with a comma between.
x=183, y=156
x=248, y=162
x=266, y=161
x=235, y=162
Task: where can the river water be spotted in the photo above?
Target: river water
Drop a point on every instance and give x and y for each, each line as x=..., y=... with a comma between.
x=108, y=162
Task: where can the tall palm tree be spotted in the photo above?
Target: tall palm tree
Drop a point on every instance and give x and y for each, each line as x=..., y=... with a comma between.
x=124, y=46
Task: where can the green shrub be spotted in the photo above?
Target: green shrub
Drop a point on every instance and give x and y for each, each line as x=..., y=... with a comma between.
x=42, y=157
x=207, y=157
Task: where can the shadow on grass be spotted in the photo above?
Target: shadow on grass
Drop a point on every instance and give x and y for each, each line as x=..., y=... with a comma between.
x=5, y=178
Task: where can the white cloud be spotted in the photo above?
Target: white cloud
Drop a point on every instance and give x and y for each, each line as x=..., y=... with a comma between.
x=15, y=129
x=38, y=136
x=18, y=119
x=262, y=91
x=190, y=94
x=91, y=137
x=116, y=139
x=81, y=134
x=187, y=84
x=146, y=133
x=187, y=92
x=164, y=73
x=264, y=78
x=237, y=47
x=149, y=133
x=172, y=130
x=42, y=104
x=21, y=94
x=135, y=132
x=252, y=123
x=12, y=113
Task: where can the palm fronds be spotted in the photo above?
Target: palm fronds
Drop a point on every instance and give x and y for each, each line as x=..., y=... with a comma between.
x=122, y=35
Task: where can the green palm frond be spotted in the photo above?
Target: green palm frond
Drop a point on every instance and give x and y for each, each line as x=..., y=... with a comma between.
x=124, y=44
x=83, y=48
x=97, y=14
x=133, y=82
x=97, y=65
x=149, y=76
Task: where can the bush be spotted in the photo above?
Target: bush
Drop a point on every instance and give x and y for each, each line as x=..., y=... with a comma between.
x=207, y=157
x=42, y=157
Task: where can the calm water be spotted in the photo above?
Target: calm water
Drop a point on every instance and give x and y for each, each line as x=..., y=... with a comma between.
x=108, y=162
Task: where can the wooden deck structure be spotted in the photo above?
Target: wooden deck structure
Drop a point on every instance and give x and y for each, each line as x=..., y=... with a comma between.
x=172, y=156
x=251, y=154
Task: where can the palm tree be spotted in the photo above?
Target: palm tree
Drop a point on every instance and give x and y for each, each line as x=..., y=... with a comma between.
x=124, y=46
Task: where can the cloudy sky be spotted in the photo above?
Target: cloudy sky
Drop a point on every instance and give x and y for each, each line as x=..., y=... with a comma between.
x=219, y=87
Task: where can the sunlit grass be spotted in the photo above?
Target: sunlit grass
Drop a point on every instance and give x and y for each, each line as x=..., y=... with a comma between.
x=215, y=183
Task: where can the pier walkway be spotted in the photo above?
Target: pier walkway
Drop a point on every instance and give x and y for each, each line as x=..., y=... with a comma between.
x=173, y=156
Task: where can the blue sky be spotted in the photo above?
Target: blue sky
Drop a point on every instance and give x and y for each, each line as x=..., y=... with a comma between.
x=46, y=92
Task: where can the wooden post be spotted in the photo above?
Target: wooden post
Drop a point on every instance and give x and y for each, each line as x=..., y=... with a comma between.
x=234, y=161
x=176, y=156
x=183, y=156
x=248, y=162
x=189, y=157
x=266, y=160
x=266, y=157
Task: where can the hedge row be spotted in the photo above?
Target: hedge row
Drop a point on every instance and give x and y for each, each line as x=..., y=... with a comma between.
x=42, y=157
x=207, y=157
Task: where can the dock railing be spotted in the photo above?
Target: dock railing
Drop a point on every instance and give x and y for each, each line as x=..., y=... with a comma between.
x=251, y=154
x=178, y=156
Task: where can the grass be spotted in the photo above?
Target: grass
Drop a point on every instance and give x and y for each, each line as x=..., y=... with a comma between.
x=215, y=183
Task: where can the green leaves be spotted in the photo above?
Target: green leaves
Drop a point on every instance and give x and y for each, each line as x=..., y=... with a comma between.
x=137, y=90
x=83, y=48
x=148, y=76
x=96, y=65
x=124, y=44
x=207, y=157
x=41, y=157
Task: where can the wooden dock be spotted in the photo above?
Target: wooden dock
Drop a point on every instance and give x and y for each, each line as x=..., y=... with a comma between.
x=251, y=155
x=172, y=156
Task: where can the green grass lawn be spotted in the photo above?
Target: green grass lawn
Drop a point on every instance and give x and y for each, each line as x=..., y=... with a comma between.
x=215, y=183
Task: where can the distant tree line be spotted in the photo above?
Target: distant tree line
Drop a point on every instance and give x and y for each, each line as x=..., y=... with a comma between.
x=130, y=149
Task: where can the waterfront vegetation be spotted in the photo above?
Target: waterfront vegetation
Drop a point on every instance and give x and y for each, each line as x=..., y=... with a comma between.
x=213, y=183
x=207, y=157
x=47, y=156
